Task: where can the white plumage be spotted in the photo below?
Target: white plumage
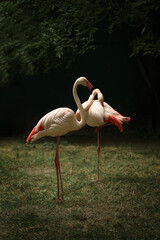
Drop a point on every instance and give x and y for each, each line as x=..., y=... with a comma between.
x=59, y=122
x=99, y=114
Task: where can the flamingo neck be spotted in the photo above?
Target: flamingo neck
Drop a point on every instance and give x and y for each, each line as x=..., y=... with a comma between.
x=91, y=98
x=82, y=122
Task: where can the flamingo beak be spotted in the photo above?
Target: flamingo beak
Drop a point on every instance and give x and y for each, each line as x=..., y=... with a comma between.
x=89, y=85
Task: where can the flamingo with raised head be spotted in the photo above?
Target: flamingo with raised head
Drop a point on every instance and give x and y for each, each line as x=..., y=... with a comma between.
x=99, y=114
x=59, y=122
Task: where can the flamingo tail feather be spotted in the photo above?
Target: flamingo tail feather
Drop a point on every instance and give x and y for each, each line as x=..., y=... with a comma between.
x=114, y=120
x=30, y=135
x=33, y=132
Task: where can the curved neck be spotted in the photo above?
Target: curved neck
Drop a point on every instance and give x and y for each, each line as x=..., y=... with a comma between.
x=82, y=122
x=100, y=95
x=96, y=92
x=91, y=98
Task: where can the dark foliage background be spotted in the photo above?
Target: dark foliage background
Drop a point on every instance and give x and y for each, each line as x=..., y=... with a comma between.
x=45, y=46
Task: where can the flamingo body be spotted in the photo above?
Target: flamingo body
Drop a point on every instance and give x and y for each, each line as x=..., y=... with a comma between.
x=95, y=115
x=99, y=114
x=59, y=122
x=55, y=123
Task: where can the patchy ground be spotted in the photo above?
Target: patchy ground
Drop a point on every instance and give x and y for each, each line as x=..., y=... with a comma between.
x=123, y=204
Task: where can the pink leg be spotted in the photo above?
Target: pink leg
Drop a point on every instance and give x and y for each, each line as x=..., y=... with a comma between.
x=61, y=183
x=58, y=169
x=57, y=172
x=98, y=149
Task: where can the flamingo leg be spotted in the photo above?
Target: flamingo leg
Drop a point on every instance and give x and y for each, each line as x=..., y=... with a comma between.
x=59, y=170
x=98, y=150
x=57, y=167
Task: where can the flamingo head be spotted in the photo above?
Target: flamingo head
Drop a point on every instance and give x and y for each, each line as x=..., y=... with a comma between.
x=83, y=81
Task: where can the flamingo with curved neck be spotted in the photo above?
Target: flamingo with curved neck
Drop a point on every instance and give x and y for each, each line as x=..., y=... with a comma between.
x=59, y=122
x=99, y=114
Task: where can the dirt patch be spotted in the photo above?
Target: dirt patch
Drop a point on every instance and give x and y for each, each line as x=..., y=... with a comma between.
x=39, y=170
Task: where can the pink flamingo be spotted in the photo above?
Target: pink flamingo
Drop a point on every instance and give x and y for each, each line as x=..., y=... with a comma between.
x=59, y=122
x=100, y=114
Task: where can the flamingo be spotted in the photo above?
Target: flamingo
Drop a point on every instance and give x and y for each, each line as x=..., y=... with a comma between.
x=99, y=114
x=59, y=122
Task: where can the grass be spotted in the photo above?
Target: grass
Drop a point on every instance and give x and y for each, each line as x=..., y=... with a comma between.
x=123, y=204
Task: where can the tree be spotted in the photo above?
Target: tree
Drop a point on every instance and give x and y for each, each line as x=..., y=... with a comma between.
x=37, y=35
x=139, y=21
x=142, y=17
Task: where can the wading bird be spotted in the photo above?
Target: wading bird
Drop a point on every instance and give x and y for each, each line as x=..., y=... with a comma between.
x=100, y=114
x=59, y=122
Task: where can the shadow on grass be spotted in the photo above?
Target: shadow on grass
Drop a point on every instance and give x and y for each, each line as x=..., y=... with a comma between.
x=131, y=214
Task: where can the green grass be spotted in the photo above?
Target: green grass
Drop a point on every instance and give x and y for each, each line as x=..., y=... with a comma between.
x=123, y=204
